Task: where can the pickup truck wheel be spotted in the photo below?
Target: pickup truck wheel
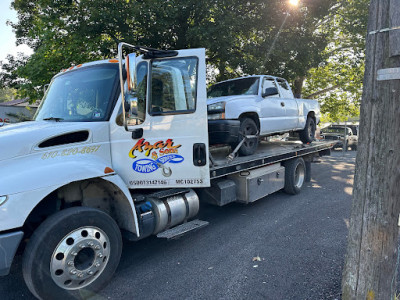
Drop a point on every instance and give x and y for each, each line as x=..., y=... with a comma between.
x=72, y=254
x=307, y=135
x=295, y=173
x=248, y=127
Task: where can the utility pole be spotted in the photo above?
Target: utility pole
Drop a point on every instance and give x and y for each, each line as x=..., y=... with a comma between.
x=372, y=253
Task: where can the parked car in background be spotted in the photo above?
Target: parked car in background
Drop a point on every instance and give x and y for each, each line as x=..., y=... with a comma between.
x=344, y=136
x=258, y=105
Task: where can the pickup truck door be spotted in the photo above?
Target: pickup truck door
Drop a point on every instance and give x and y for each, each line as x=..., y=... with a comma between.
x=291, y=105
x=169, y=147
x=273, y=111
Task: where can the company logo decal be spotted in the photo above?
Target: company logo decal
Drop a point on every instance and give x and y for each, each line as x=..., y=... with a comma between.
x=161, y=154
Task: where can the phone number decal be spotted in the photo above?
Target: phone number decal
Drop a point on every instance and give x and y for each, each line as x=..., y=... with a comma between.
x=166, y=182
x=70, y=151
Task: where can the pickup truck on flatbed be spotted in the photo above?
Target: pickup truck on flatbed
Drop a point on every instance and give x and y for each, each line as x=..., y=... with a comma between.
x=119, y=148
x=258, y=105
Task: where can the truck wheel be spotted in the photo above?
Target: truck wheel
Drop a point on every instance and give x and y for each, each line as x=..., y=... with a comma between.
x=248, y=127
x=307, y=135
x=295, y=173
x=72, y=254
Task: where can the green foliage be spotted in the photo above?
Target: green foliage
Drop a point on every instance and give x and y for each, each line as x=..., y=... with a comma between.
x=241, y=37
x=7, y=94
x=338, y=81
x=322, y=41
x=19, y=117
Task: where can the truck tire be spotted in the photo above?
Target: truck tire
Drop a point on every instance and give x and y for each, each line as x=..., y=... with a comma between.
x=307, y=135
x=295, y=173
x=248, y=127
x=72, y=254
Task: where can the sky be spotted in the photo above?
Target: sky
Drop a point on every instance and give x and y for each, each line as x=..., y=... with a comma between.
x=7, y=36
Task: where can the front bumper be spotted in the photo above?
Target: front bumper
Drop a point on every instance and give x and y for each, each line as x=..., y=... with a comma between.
x=223, y=131
x=9, y=243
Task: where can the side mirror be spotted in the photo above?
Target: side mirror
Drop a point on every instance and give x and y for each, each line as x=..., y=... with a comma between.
x=130, y=66
x=271, y=91
x=128, y=92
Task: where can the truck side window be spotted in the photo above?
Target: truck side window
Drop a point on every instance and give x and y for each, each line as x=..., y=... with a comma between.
x=269, y=84
x=173, y=86
x=285, y=89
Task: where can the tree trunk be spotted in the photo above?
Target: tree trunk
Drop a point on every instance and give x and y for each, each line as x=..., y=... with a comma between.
x=370, y=268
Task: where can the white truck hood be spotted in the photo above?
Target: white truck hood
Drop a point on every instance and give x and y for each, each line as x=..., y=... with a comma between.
x=229, y=98
x=21, y=139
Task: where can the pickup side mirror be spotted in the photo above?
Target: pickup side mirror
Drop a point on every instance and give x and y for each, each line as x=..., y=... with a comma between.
x=271, y=91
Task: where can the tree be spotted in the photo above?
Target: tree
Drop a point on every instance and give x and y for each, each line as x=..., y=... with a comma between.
x=337, y=82
x=7, y=94
x=238, y=35
x=372, y=252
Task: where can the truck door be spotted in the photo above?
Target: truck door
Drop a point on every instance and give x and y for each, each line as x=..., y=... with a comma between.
x=272, y=109
x=291, y=107
x=167, y=145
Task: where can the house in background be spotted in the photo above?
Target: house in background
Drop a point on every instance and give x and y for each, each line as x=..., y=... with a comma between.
x=17, y=110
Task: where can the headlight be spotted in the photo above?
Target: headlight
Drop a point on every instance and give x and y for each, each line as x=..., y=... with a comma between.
x=3, y=199
x=216, y=111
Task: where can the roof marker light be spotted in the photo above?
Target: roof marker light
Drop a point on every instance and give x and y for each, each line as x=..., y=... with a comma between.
x=108, y=170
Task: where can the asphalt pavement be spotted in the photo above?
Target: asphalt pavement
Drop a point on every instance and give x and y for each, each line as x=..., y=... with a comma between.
x=281, y=247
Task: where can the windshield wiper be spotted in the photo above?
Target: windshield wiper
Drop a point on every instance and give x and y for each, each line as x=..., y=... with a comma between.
x=53, y=119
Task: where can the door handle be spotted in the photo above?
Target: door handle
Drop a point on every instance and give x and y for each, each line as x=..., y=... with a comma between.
x=282, y=104
x=199, y=154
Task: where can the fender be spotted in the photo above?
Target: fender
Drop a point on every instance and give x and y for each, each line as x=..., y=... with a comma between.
x=235, y=113
x=125, y=220
x=30, y=179
x=30, y=172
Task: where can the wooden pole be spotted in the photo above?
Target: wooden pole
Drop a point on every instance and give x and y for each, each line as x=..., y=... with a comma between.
x=372, y=252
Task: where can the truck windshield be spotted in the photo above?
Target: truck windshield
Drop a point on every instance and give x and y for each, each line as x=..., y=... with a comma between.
x=242, y=86
x=84, y=95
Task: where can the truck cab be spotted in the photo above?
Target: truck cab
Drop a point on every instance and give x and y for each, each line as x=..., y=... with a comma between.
x=88, y=147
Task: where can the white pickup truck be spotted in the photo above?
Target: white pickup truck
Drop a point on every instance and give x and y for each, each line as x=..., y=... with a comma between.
x=258, y=105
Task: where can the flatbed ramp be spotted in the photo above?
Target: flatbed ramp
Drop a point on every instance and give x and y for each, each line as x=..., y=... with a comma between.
x=267, y=153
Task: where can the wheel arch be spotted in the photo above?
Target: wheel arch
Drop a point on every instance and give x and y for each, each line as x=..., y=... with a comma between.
x=252, y=115
x=311, y=114
x=103, y=193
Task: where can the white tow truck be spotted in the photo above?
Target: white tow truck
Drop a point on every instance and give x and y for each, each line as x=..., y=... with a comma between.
x=120, y=148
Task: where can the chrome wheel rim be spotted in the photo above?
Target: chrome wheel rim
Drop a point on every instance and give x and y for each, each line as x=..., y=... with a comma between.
x=299, y=176
x=80, y=258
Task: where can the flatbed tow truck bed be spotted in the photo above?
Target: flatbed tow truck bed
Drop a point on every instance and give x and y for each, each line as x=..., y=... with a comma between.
x=267, y=153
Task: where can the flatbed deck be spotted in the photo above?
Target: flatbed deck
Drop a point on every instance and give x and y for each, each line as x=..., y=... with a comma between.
x=267, y=153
